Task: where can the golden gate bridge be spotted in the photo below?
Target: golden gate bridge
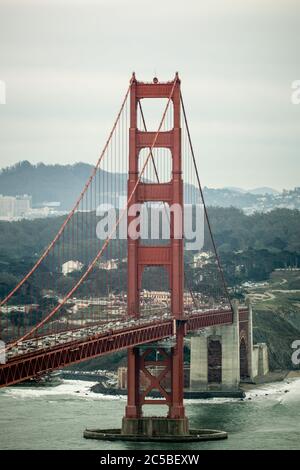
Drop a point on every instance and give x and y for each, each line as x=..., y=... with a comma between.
x=101, y=303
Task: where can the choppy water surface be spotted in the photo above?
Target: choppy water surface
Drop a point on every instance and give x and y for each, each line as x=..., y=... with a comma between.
x=55, y=417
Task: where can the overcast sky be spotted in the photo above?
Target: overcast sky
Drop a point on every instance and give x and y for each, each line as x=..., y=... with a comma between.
x=66, y=65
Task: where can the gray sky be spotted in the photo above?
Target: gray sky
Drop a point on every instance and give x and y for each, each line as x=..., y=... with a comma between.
x=66, y=65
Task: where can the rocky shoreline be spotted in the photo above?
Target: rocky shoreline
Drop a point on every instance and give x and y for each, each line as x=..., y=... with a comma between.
x=188, y=394
x=276, y=376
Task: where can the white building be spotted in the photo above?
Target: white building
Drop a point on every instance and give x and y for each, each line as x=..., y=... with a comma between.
x=22, y=205
x=14, y=206
x=6, y=206
x=109, y=264
x=159, y=296
x=71, y=266
x=202, y=258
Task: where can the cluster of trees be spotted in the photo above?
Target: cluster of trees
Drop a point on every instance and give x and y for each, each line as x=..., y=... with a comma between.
x=275, y=231
x=250, y=247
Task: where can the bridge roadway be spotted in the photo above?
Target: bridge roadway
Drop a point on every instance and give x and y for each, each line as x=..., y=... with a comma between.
x=93, y=341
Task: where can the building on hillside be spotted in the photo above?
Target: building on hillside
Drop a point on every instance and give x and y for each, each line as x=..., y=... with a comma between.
x=160, y=296
x=109, y=264
x=71, y=266
x=12, y=207
x=22, y=205
x=6, y=206
x=201, y=259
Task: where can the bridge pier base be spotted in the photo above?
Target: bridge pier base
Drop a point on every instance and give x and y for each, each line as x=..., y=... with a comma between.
x=155, y=429
x=151, y=426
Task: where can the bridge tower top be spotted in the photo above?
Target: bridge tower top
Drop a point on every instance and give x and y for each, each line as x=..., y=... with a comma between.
x=169, y=256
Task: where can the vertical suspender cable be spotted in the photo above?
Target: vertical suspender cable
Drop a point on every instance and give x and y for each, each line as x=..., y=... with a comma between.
x=204, y=205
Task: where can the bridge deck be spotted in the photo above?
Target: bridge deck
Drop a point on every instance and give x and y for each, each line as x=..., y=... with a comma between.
x=25, y=366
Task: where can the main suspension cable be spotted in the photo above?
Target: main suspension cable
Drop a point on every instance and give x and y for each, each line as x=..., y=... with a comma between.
x=70, y=215
x=110, y=236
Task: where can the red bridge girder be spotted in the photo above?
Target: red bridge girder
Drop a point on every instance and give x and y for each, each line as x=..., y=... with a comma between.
x=26, y=366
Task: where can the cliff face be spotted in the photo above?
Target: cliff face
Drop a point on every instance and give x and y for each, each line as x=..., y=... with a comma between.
x=279, y=332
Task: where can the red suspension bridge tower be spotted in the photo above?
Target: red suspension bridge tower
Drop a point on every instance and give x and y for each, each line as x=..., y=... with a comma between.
x=168, y=256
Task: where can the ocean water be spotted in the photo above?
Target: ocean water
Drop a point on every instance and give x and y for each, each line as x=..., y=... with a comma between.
x=55, y=417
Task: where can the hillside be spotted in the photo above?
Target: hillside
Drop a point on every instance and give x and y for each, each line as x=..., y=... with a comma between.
x=46, y=183
x=276, y=305
x=63, y=183
x=251, y=248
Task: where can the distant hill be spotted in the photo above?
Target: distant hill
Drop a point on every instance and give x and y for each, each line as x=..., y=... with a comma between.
x=258, y=191
x=264, y=190
x=236, y=190
x=61, y=183
x=64, y=183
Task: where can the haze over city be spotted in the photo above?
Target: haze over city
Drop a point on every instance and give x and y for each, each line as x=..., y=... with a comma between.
x=62, y=68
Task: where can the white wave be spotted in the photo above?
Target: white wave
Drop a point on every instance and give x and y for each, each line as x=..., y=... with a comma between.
x=282, y=391
x=73, y=388
x=212, y=401
x=293, y=393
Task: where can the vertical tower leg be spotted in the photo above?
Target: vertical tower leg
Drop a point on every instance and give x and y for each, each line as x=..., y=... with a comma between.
x=177, y=408
x=133, y=409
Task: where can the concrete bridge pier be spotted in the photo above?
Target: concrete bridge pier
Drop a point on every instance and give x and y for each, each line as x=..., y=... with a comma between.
x=215, y=357
x=224, y=356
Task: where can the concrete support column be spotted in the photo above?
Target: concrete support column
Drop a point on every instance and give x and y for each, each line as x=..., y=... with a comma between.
x=263, y=359
x=231, y=352
x=251, y=372
x=198, y=366
x=230, y=341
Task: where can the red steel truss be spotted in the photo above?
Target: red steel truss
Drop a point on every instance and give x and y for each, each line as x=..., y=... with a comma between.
x=26, y=366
